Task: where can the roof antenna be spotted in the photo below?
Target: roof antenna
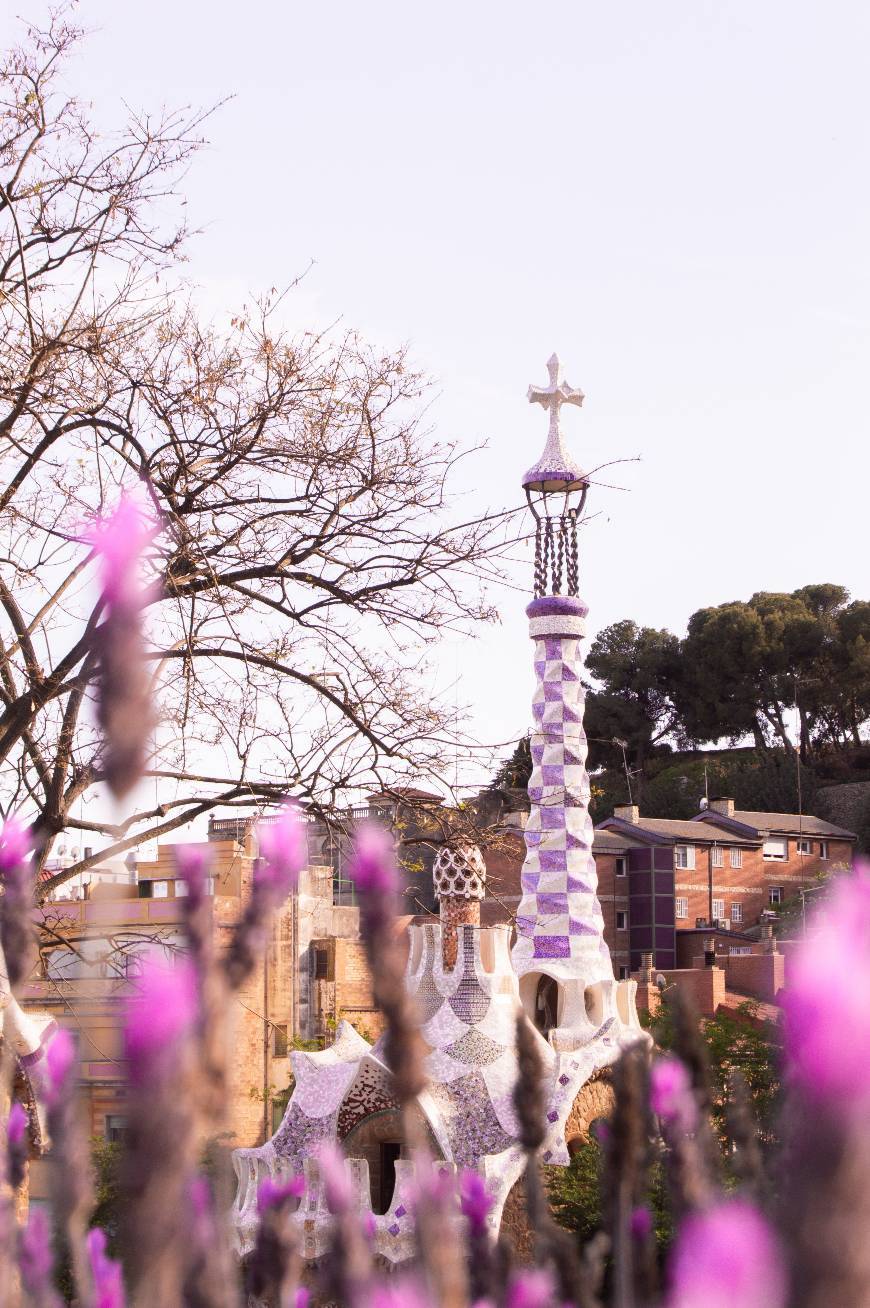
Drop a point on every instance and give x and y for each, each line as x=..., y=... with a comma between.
x=622, y=745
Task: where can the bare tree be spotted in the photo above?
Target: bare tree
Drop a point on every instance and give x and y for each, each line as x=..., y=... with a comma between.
x=305, y=556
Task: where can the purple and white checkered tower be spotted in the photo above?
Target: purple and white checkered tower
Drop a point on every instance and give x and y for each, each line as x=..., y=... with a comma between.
x=559, y=921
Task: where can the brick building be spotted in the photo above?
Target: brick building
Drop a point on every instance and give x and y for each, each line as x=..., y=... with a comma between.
x=724, y=867
x=114, y=927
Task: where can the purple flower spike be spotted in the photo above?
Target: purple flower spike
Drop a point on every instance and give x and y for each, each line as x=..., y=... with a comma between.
x=16, y=1126
x=108, y=1285
x=533, y=1289
x=402, y=1293
x=337, y=1183
x=671, y=1096
x=119, y=540
x=641, y=1223
x=726, y=1257
x=16, y=845
x=303, y=1297
x=827, y=1017
x=475, y=1200
x=193, y=863
x=35, y=1257
x=373, y=867
x=160, y=1015
x=273, y=1194
x=284, y=851
x=60, y=1057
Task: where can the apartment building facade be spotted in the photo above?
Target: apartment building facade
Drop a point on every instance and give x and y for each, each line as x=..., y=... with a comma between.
x=724, y=867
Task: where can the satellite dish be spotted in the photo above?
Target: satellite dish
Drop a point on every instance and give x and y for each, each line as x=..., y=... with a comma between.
x=704, y=804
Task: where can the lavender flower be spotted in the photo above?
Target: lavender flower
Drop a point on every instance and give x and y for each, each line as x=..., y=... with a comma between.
x=531, y=1289
x=193, y=863
x=374, y=864
x=475, y=1200
x=337, y=1184
x=671, y=1094
x=641, y=1222
x=283, y=853
x=60, y=1057
x=35, y=1260
x=374, y=872
x=726, y=1257
x=159, y=1016
x=274, y=1194
x=17, y=1139
x=124, y=702
x=827, y=1014
x=16, y=905
x=108, y=1285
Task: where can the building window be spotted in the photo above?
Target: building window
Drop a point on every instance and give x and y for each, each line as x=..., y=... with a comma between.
x=321, y=964
x=180, y=888
x=736, y=912
x=776, y=848
x=718, y=910
x=343, y=892
x=684, y=856
x=621, y=866
x=115, y=1128
x=718, y=857
x=159, y=889
x=774, y=894
x=279, y=1040
x=624, y=972
x=681, y=906
x=621, y=920
x=736, y=950
x=804, y=846
x=735, y=856
x=823, y=849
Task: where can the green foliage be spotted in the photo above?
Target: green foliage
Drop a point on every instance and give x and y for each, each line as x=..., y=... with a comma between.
x=735, y=1043
x=637, y=669
x=515, y=771
x=575, y=1194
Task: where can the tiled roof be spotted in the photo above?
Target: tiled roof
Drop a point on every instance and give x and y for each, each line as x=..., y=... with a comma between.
x=792, y=823
x=691, y=831
x=607, y=842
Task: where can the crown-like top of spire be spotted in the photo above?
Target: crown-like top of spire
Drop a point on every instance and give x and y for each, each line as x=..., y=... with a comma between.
x=555, y=470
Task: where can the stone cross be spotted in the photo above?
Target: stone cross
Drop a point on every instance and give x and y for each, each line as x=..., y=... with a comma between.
x=552, y=397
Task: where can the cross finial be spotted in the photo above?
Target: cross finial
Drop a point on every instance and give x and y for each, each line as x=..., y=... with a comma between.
x=555, y=470
x=552, y=397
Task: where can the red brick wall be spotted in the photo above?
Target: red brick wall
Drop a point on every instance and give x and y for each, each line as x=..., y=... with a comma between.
x=749, y=885
x=759, y=975
x=705, y=987
x=613, y=897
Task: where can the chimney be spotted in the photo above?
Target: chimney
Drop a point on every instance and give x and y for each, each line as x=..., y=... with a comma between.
x=628, y=812
x=722, y=804
x=459, y=873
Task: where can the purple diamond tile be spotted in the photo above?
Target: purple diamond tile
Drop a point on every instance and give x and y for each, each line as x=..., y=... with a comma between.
x=394, y=1229
x=401, y=1210
x=552, y=947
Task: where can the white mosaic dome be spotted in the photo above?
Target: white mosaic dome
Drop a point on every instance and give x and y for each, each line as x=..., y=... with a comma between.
x=459, y=871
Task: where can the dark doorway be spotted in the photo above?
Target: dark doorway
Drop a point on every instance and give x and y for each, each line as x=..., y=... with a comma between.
x=546, y=1005
x=391, y=1150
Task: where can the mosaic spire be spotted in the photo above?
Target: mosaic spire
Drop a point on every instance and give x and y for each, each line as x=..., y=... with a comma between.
x=560, y=927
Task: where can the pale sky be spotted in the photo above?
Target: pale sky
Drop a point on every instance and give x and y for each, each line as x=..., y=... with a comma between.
x=673, y=196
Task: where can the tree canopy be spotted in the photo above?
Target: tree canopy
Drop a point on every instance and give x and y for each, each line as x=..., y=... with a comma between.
x=305, y=552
